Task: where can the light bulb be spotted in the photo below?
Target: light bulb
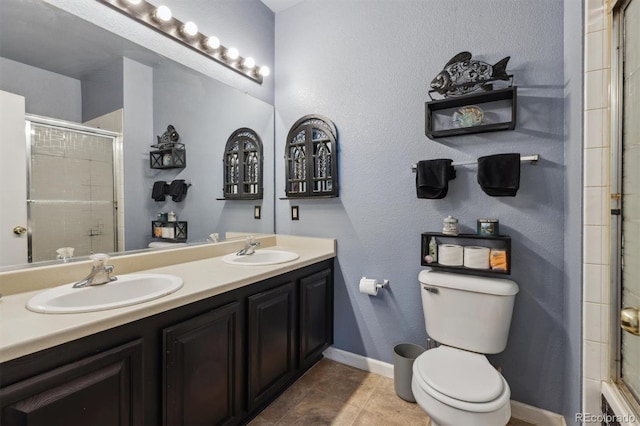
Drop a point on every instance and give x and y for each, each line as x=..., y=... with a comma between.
x=163, y=13
x=264, y=71
x=213, y=43
x=232, y=53
x=249, y=62
x=190, y=28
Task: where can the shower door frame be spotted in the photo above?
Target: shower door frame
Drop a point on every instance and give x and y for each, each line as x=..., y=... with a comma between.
x=118, y=172
x=615, y=366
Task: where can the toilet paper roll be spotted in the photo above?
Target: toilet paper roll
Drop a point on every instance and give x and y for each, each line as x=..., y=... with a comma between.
x=450, y=254
x=476, y=257
x=368, y=286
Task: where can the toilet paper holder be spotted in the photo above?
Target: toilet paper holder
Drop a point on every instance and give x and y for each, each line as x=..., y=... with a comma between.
x=379, y=284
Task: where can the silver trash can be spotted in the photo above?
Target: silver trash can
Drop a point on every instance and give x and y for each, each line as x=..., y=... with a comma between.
x=403, y=356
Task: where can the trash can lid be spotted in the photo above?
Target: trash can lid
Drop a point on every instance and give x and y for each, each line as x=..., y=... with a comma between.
x=408, y=350
x=462, y=375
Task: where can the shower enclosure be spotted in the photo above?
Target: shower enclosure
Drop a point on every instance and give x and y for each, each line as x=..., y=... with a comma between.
x=71, y=188
x=626, y=199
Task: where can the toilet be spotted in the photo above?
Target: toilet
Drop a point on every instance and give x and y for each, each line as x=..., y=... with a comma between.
x=469, y=316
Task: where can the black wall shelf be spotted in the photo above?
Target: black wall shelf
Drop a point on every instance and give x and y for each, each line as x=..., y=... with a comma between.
x=174, y=157
x=501, y=242
x=502, y=98
x=178, y=230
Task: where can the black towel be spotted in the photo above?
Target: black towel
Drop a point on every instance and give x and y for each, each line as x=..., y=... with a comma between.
x=159, y=191
x=432, y=178
x=178, y=189
x=499, y=175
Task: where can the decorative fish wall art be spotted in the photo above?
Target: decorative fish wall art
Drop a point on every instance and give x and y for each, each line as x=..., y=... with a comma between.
x=168, y=138
x=463, y=75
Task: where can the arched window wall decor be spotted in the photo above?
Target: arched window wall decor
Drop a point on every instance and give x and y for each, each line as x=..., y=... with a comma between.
x=311, y=157
x=243, y=166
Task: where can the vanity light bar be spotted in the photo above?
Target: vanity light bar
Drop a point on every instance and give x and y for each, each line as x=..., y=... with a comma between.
x=161, y=20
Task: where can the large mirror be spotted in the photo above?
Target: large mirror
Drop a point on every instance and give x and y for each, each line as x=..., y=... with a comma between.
x=70, y=71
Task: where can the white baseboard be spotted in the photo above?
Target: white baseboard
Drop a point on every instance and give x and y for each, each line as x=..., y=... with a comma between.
x=527, y=413
x=534, y=415
x=358, y=361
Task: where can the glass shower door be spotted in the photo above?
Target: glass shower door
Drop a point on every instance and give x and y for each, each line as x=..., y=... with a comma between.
x=71, y=195
x=629, y=273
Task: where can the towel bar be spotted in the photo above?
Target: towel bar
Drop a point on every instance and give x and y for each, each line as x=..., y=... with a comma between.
x=531, y=158
x=186, y=182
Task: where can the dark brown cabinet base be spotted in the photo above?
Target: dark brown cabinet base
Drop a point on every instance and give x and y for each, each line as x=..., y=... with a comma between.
x=271, y=351
x=203, y=369
x=104, y=389
x=316, y=321
x=216, y=361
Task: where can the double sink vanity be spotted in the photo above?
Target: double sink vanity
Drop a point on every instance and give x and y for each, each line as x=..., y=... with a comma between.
x=219, y=337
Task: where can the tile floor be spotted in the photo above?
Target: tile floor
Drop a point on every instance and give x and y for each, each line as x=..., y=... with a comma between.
x=331, y=393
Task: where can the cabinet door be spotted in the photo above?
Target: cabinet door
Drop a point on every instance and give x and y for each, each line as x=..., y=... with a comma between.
x=316, y=316
x=104, y=389
x=202, y=383
x=271, y=342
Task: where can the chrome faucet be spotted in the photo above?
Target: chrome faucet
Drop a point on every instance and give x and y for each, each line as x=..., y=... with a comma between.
x=249, y=247
x=99, y=272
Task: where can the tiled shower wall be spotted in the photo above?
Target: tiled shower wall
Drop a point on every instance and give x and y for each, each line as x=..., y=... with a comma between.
x=596, y=217
x=114, y=122
x=71, y=189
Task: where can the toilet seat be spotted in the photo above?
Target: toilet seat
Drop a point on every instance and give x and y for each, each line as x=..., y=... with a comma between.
x=461, y=379
x=164, y=244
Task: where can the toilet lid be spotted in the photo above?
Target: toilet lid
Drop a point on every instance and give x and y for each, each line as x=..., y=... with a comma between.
x=461, y=375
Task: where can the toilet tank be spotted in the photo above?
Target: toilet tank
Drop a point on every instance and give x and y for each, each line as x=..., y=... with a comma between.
x=466, y=311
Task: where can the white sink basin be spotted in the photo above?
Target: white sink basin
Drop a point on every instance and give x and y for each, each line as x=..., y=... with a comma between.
x=261, y=257
x=127, y=290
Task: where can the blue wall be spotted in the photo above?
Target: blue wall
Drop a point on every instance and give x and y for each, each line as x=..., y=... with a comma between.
x=43, y=90
x=367, y=66
x=137, y=136
x=205, y=113
x=247, y=25
x=102, y=90
x=573, y=69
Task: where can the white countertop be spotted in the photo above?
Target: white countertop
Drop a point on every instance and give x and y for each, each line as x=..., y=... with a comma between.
x=23, y=332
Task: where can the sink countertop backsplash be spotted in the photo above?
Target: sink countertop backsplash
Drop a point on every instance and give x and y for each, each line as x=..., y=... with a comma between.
x=201, y=267
x=42, y=277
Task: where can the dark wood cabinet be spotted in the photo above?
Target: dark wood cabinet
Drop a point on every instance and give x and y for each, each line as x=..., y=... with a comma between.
x=203, y=367
x=271, y=342
x=104, y=389
x=218, y=360
x=316, y=316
